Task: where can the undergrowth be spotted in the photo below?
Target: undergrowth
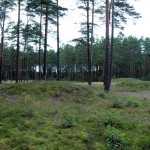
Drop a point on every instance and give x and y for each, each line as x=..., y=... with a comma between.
x=61, y=115
x=132, y=86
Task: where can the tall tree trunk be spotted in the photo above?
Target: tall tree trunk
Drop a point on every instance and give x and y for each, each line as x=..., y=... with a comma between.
x=1, y=60
x=45, y=43
x=26, y=50
x=112, y=43
x=107, y=64
x=58, y=49
x=88, y=45
x=92, y=37
x=18, y=43
x=2, y=42
x=40, y=44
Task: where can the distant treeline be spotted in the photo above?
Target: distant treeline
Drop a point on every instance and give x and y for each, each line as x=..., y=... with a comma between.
x=131, y=59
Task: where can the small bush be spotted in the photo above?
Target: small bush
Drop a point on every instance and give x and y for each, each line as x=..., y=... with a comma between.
x=144, y=143
x=115, y=139
x=133, y=102
x=102, y=94
x=69, y=119
x=126, y=102
x=111, y=120
x=118, y=102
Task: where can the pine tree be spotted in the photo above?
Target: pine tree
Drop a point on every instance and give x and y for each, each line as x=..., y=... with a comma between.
x=107, y=53
x=4, y=10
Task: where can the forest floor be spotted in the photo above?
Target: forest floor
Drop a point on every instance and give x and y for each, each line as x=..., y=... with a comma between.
x=51, y=115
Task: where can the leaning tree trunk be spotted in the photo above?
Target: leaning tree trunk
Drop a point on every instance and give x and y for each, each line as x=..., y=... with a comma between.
x=45, y=43
x=18, y=43
x=107, y=64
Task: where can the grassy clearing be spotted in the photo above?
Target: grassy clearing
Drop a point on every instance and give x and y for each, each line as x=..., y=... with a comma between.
x=69, y=116
x=125, y=80
x=130, y=85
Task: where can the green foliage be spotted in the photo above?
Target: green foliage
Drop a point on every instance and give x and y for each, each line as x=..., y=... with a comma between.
x=129, y=62
x=118, y=102
x=144, y=143
x=69, y=119
x=71, y=116
x=131, y=85
x=116, y=139
x=111, y=119
x=133, y=102
x=102, y=94
x=67, y=56
x=140, y=85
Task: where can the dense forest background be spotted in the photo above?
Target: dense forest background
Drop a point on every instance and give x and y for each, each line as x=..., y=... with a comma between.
x=131, y=59
x=26, y=55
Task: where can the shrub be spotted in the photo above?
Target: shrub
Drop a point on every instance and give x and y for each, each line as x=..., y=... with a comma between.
x=69, y=119
x=133, y=102
x=115, y=139
x=144, y=143
x=102, y=94
x=127, y=102
x=118, y=102
x=111, y=120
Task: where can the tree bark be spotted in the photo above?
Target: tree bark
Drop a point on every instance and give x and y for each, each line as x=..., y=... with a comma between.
x=2, y=42
x=45, y=43
x=58, y=49
x=107, y=64
x=92, y=37
x=18, y=43
x=112, y=43
x=1, y=60
x=88, y=45
x=40, y=44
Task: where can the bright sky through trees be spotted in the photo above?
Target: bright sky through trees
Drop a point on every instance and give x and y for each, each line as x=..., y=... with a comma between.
x=70, y=24
x=139, y=29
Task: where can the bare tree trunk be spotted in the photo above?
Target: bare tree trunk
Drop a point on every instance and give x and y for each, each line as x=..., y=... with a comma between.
x=1, y=60
x=88, y=45
x=2, y=42
x=92, y=37
x=107, y=64
x=26, y=51
x=18, y=43
x=112, y=43
x=58, y=49
x=45, y=43
x=40, y=45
